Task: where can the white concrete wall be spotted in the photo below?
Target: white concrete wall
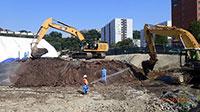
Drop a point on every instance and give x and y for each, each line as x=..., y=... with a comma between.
x=118, y=30
x=130, y=28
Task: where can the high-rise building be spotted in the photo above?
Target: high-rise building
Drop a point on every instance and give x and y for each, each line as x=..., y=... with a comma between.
x=142, y=37
x=184, y=12
x=117, y=30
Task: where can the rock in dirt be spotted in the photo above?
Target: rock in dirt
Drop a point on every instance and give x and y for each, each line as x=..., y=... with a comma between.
x=180, y=100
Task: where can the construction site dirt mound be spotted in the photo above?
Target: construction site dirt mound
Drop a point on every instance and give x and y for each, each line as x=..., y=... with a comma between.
x=59, y=72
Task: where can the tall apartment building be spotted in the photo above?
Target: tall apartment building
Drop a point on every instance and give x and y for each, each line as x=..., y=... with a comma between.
x=117, y=30
x=142, y=37
x=184, y=12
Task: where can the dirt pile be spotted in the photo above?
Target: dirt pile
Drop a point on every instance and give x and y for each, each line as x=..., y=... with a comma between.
x=58, y=72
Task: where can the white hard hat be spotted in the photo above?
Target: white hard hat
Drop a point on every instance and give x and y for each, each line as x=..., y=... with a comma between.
x=85, y=76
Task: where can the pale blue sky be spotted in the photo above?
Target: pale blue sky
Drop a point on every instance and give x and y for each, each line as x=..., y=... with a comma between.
x=81, y=14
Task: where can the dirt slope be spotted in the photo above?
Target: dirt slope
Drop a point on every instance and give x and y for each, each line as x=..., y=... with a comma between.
x=164, y=61
x=58, y=72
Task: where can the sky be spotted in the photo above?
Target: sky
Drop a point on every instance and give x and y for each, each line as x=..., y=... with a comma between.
x=29, y=15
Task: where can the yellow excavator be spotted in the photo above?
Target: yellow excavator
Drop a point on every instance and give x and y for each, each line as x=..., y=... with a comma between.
x=88, y=49
x=190, y=54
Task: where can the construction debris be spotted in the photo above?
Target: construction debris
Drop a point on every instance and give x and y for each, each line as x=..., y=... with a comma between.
x=180, y=100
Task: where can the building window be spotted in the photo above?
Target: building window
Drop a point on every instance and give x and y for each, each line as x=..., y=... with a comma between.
x=175, y=2
x=182, y=12
x=182, y=19
x=182, y=2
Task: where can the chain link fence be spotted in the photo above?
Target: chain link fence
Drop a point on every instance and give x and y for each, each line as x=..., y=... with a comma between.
x=131, y=50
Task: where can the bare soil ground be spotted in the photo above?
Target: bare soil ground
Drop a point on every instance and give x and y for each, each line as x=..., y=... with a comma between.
x=53, y=84
x=112, y=98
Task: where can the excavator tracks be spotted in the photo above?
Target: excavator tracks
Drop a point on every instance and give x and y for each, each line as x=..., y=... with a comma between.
x=88, y=55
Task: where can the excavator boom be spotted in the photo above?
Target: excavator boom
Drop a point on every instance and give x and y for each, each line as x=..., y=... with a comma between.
x=187, y=39
x=87, y=52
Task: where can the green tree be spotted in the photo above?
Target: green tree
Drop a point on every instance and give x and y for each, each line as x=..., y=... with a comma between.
x=161, y=40
x=71, y=43
x=92, y=35
x=194, y=28
x=56, y=40
x=56, y=34
x=25, y=31
x=125, y=43
x=136, y=34
x=113, y=46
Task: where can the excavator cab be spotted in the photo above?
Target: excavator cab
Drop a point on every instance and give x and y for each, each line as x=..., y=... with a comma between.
x=89, y=44
x=89, y=50
x=190, y=59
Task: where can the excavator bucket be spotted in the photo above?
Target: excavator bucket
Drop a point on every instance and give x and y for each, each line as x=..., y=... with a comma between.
x=38, y=52
x=147, y=65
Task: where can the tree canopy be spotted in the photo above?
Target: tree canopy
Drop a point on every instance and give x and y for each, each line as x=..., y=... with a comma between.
x=92, y=35
x=126, y=43
x=24, y=31
x=161, y=40
x=56, y=40
x=71, y=43
x=194, y=28
x=136, y=34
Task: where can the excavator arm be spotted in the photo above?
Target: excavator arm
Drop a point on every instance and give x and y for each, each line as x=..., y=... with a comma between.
x=187, y=39
x=66, y=28
x=38, y=52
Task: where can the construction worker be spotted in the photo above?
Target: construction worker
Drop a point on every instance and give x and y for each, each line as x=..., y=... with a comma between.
x=194, y=56
x=85, y=84
x=103, y=73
